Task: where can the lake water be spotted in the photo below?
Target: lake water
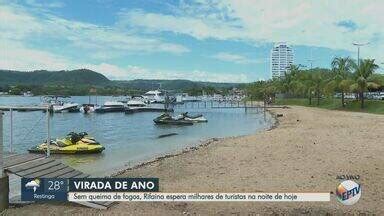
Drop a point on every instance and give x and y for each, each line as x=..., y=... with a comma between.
x=129, y=139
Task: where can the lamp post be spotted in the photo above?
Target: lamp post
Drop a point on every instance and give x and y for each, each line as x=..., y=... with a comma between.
x=358, y=50
x=311, y=60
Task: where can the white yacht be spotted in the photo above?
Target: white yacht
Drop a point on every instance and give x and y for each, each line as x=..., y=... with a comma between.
x=58, y=104
x=66, y=107
x=111, y=106
x=154, y=96
x=137, y=101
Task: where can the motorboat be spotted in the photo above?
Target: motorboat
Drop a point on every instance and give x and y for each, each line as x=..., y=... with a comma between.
x=111, y=106
x=193, y=118
x=57, y=103
x=66, y=107
x=27, y=94
x=137, y=101
x=154, y=96
x=167, y=119
x=73, y=143
x=87, y=108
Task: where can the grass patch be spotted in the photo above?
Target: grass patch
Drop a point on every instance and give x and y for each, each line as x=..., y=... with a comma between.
x=371, y=106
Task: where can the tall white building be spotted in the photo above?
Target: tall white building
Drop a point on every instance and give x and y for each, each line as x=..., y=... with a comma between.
x=281, y=59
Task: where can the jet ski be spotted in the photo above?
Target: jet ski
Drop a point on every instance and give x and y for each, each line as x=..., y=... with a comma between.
x=167, y=119
x=193, y=118
x=73, y=143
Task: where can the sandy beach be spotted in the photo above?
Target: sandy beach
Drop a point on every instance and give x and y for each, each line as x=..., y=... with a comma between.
x=305, y=153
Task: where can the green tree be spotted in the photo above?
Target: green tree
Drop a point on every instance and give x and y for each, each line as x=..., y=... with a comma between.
x=363, y=78
x=309, y=86
x=341, y=68
x=289, y=80
x=318, y=81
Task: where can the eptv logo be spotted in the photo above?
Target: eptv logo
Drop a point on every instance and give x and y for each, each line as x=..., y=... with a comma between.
x=348, y=192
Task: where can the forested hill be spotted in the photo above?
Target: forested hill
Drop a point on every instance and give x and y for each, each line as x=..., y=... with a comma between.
x=85, y=77
x=43, y=77
x=148, y=84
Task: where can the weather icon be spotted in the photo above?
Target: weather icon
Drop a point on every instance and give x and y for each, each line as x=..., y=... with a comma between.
x=33, y=184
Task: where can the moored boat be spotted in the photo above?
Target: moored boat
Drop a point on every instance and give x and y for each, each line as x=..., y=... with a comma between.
x=154, y=96
x=87, y=108
x=111, y=106
x=137, y=101
x=66, y=107
x=58, y=104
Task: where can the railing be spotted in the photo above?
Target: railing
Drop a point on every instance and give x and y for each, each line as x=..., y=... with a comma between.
x=23, y=108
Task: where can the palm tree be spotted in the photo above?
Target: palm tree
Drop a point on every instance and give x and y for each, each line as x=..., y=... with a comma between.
x=318, y=81
x=289, y=78
x=363, y=75
x=341, y=67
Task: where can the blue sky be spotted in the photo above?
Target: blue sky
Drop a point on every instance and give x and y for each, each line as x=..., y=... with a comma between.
x=224, y=41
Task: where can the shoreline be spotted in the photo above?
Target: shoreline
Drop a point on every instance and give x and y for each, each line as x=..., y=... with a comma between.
x=305, y=153
x=201, y=144
x=186, y=172
x=169, y=155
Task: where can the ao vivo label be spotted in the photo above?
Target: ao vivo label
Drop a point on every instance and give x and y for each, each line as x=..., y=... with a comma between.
x=114, y=185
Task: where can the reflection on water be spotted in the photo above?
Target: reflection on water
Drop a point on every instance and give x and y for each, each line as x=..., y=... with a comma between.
x=128, y=139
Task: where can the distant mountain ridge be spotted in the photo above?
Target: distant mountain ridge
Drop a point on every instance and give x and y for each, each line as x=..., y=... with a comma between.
x=145, y=84
x=43, y=77
x=89, y=77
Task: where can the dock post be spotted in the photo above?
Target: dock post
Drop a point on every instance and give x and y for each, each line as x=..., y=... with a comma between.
x=246, y=106
x=4, y=180
x=11, y=130
x=1, y=144
x=48, y=134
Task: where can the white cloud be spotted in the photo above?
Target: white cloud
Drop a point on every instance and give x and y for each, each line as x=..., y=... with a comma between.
x=15, y=24
x=111, y=71
x=52, y=4
x=93, y=37
x=299, y=22
x=15, y=56
x=235, y=58
x=196, y=27
x=135, y=72
x=18, y=24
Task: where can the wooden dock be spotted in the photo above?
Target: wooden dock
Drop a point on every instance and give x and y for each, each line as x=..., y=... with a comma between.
x=131, y=110
x=249, y=107
x=23, y=108
x=258, y=105
x=38, y=166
